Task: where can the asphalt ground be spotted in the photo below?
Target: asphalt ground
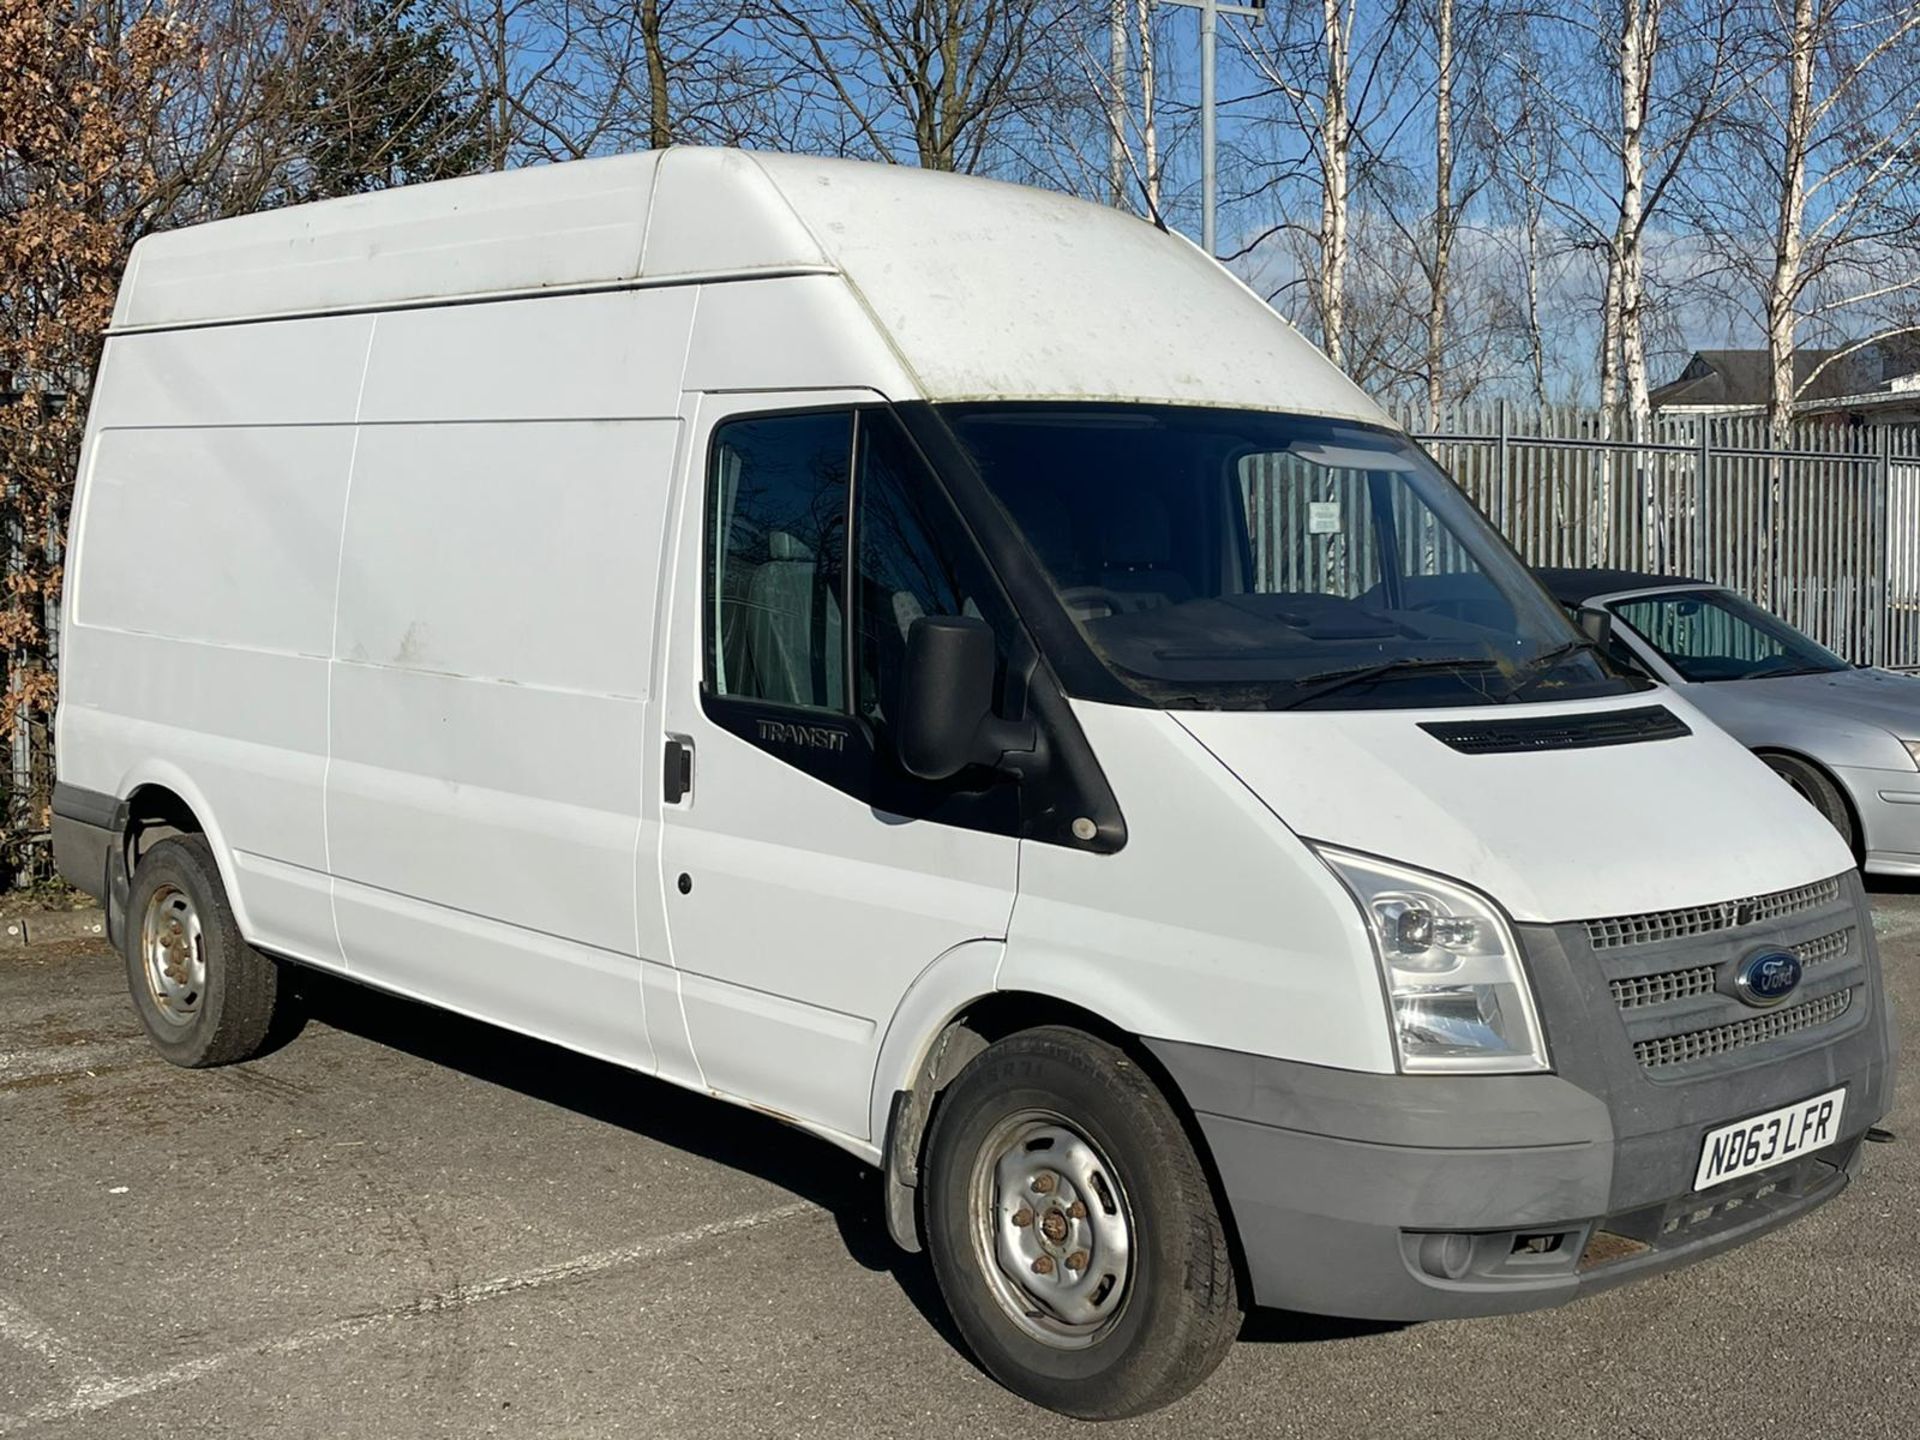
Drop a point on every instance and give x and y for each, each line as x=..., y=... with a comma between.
x=403, y=1224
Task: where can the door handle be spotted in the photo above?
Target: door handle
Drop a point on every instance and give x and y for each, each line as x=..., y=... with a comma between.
x=677, y=781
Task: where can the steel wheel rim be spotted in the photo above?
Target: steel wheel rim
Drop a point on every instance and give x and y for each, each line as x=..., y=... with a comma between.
x=173, y=955
x=1052, y=1229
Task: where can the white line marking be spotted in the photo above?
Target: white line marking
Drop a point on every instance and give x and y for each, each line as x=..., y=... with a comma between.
x=97, y=1392
x=28, y=1333
x=41, y=1062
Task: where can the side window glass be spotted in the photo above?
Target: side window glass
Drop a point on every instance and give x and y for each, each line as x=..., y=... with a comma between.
x=909, y=562
x=776, y=535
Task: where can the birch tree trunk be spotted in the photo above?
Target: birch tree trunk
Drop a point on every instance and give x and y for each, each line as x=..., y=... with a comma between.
x=1149, y=133
x=1639, y=44
x=1336, y=144
x=1602, y=523
x=500, y=54
x=1789, y=247
x=1536, y=340
x=1443, y=213
x=659, y=115
x=1117, y=104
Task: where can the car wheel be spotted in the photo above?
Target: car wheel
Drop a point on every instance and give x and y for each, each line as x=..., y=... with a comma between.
x=1812, y=785
x=204, y=994
x=1073, y=1231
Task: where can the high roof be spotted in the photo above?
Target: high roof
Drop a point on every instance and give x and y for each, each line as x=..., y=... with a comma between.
x=982, y=289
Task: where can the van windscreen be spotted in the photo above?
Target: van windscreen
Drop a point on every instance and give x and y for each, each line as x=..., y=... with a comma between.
x=1226, y=559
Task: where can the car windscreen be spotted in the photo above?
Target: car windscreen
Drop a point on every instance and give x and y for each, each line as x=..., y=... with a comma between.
x=1215, y=558
x=1709, y=635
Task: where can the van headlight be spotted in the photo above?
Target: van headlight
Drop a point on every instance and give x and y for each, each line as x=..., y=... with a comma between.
x=1456, y=989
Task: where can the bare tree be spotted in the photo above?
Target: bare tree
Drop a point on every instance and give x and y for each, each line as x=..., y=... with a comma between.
x=1524, y=168
x=1445, y=212
x=83, y=96
x=1838, y=125
x=934, y=81
x=1325, y=88
x=1149, y=125
x=1666, y=84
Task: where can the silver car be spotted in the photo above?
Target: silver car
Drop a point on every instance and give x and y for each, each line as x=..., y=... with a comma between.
x=1845, y=736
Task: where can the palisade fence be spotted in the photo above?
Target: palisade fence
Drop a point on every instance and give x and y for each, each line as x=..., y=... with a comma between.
x=1825, y=532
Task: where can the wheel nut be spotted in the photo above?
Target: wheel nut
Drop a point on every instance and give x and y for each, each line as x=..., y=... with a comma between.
x=1077, y=1260
x=1077, y=1211
x=1044, y=1182
x=1023, y=1217
x=1043, y=1266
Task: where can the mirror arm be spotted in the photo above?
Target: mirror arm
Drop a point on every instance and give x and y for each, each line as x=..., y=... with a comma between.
x=1016, y=747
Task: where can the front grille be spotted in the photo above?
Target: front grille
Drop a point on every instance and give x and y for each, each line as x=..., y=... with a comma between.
x=1655, y=926
x=1823, y=948
x=1695, y=1045
x=1636, y=992
x=1641, y=990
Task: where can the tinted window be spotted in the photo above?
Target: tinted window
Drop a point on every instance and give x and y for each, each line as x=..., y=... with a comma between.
x=776, y=538
x=1243, y=560
x=1717, y=635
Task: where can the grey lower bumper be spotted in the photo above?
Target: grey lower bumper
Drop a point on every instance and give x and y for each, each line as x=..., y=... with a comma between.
x=85, y=823
x=1416, y=1198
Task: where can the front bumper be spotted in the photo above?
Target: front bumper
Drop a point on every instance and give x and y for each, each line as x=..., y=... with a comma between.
x=1400, y=1197
x=1888, y=804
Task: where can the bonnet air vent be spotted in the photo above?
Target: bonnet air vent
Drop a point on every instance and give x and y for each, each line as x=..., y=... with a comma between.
x=1560, y=732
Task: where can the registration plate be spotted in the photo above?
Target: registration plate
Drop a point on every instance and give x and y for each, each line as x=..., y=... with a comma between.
x=1771, y=1139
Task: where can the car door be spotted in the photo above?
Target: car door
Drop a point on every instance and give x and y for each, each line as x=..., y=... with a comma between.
x=808, y=880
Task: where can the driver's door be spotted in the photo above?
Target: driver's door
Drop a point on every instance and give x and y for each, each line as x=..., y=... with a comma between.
x=807, y=879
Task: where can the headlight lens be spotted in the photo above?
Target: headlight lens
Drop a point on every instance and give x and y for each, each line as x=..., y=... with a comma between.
x=1913, y=749
x=1458, y=993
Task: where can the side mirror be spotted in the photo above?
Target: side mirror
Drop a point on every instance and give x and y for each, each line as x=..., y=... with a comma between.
x=1597, y=626
x=946, y=720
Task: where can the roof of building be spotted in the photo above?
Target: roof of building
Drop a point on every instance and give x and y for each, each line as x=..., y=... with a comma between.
x=1724, y=378
x=1576, y=587
x=982, y=289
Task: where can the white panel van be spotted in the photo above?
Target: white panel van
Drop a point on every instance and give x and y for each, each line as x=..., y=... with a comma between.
x=945, y=664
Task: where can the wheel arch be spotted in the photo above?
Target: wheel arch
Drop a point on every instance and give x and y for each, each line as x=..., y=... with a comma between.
x=1856, y=825
x=161, y=800
x=960, y=1027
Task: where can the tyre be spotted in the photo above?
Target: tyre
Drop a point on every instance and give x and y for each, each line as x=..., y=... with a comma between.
x=205, y=995
x=1811, y=784
x=1072, y=1230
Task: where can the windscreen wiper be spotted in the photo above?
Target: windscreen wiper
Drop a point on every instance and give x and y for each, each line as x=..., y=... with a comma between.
x=1546, y=662
x=1328, y=681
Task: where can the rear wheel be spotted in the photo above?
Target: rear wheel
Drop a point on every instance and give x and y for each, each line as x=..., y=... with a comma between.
x=205, y=995
x=1811, y=784
x=1073, y=1231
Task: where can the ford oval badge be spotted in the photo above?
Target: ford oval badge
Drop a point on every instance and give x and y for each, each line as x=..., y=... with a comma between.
x=1767, y=977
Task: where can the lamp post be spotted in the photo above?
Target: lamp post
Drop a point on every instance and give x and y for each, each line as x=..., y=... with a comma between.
x=1210, y=13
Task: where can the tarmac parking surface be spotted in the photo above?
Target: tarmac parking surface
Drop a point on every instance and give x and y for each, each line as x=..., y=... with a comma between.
x=406, y=1224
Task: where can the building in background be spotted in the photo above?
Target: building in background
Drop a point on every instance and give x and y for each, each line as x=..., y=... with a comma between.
x=1877, y=382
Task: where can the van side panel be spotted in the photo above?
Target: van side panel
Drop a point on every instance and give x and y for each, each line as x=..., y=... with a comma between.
x=493, y=659
x=201, y=603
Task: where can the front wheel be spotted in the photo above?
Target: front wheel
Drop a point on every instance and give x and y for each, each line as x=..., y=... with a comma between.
x=1073, y=1231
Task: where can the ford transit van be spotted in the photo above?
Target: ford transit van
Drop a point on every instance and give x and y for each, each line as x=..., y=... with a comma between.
x=945, y=664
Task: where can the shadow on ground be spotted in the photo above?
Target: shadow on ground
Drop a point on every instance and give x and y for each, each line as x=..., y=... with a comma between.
x=727, y=1134
x=715, y=1130
x=1892, y=884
